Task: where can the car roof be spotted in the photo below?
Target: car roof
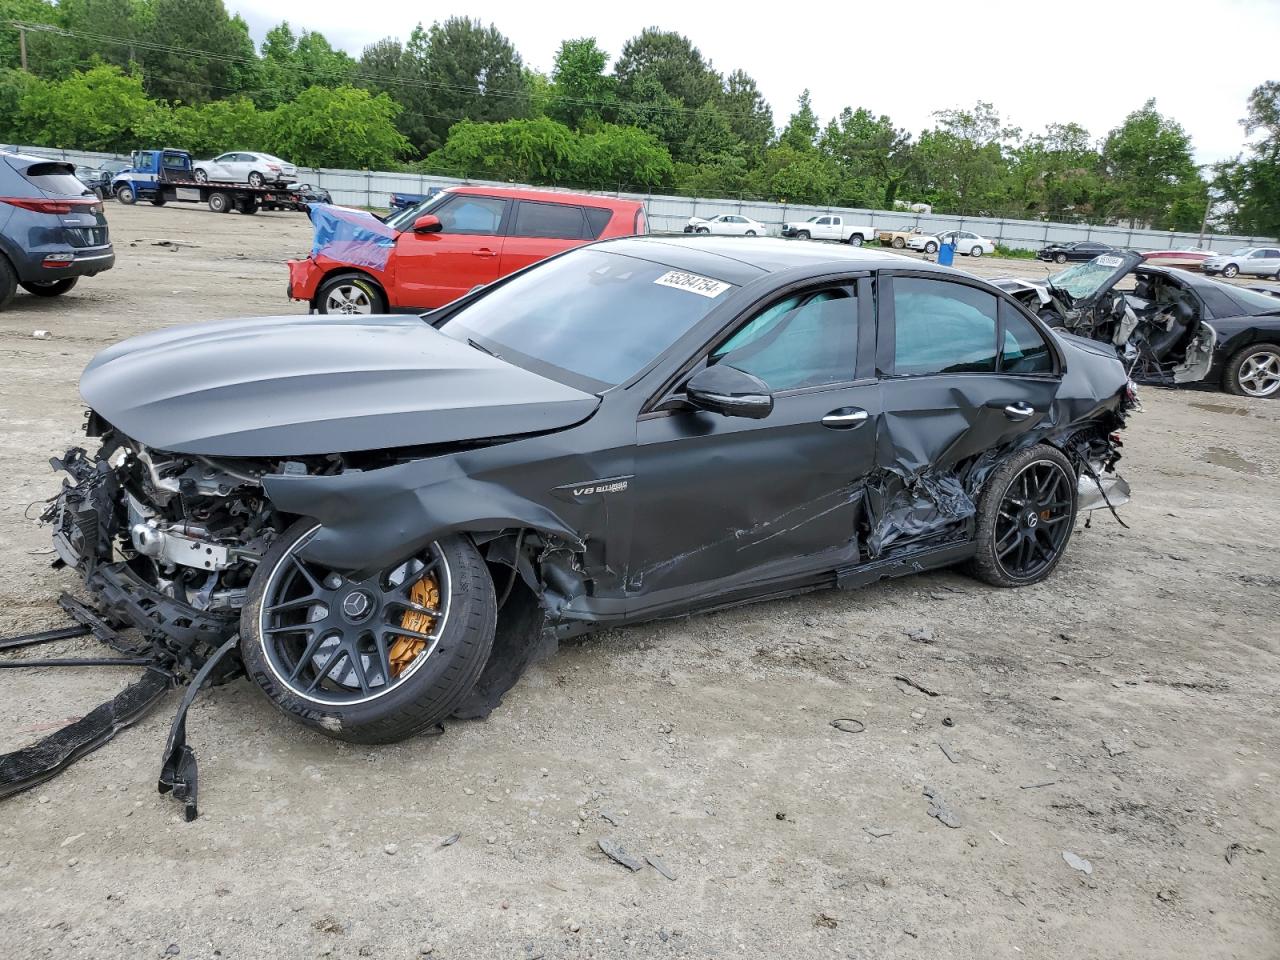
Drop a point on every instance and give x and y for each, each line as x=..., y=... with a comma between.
x=742, y=259
x=548, y=196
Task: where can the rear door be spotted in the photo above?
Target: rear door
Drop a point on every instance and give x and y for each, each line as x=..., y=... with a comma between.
x=538, y=230
x=432, y=269
x=962, y=372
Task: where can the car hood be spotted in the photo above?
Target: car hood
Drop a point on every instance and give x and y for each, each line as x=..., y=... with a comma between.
x=294, y=386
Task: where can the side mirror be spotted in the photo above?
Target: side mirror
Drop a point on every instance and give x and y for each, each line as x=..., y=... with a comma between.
x=427, y=224
x=729, y=391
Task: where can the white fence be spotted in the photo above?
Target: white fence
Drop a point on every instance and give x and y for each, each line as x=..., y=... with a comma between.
x=370, y=188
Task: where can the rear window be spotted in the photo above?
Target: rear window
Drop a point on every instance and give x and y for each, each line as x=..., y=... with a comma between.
x=55, y=178
x=552, y=221
x=597, y=219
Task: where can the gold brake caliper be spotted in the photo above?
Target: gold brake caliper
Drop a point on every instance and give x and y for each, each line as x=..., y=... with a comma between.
x=425, y=593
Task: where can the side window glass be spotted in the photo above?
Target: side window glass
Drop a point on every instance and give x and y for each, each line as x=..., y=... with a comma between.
x=807, y=340
x=598, y=218
x=467, y=214
x=553, y=221
x=942, y=327
x=1024, y=350
x=825, y=221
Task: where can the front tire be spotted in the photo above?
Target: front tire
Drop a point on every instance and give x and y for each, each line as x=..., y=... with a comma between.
x=378, y=670
x=802, y=234
x=1060, y=258
x=350, y=295
x=899, y=243
x=54, y=288
x=1025, y=517
x=702, y=230
x=1254, y=371
x=930, y=247
x=1230, y=270
x=126, y=196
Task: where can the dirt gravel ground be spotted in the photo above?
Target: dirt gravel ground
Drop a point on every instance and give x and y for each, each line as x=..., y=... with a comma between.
x=1124, y=713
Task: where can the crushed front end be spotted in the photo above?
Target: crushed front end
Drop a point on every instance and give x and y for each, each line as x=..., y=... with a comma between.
x=166, y=543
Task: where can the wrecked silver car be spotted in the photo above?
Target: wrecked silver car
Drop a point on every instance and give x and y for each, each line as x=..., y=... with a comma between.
x=395, y=514
x=1168, y=326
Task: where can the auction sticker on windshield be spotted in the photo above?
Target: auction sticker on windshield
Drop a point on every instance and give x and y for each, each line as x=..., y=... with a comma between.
x=1108, y=261
x=702, y=286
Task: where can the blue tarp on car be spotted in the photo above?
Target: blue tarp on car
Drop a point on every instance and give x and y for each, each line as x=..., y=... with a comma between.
x=351, y=236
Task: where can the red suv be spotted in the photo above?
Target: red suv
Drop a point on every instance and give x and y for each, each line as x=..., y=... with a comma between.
x=429, y=254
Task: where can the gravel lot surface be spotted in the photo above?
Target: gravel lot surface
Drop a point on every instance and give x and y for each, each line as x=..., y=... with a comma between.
x=1124, y=713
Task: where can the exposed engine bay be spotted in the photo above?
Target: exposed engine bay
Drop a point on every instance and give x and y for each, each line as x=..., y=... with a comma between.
x=1154, y=322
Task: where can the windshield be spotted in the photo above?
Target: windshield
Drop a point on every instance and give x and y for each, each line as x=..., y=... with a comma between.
x=1242, y=252
x=1085, y=279
x=403, y=219
x=589, y=314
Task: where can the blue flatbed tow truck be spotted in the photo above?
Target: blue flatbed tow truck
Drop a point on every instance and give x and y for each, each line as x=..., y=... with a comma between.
x=161, y=176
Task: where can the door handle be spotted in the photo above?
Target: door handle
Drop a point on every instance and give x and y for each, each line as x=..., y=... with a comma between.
x=1020, y=410
x=845, y=418
x=483, y=252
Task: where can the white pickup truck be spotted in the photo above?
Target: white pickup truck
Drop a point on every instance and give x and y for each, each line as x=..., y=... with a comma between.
x=829, y=226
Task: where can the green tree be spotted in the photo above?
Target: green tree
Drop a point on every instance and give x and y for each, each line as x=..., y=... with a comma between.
x=1250, y=185
x=673, y=61
x=338, y=126
x=16, y=87
x=539, y=150
x=749, y=114
x=582, y=94
x=797, y=176
x=1149, y=167
x=1055, y=174
x=622, y=156
x=98, y=109
x=27, y=11
x=184, y=30
x=801, y=130
x=961, y=164
x=723, y=175
x=874, y=155
x=291, y=63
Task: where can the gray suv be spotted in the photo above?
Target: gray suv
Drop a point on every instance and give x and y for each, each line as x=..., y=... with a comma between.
x=52, y=228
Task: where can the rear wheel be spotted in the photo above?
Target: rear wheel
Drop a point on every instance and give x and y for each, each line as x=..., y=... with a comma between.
x=256, y=179
x=350, y=295
x=219, y=202
x=8, y=282
x=975, y=252
x=1025, y=515
x=247, y=206
x=126, y=195
x=371, y=657
x=51, y=288
x=899, y=243
x=702, y=230
x=855, y=240
x=1254, y=371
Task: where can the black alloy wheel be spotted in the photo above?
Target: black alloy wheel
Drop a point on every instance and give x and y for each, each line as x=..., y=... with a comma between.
x=1034, y=520
x=1025, y=517
x=342, y=640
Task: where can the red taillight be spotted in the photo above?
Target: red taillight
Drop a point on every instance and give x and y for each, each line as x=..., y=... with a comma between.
x=53, y=206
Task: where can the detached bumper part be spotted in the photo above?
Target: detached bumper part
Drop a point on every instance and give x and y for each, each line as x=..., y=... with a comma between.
x=1101, y=491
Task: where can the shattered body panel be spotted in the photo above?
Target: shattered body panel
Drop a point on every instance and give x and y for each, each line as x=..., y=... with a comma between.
x=1168, y=326
x=618, y=505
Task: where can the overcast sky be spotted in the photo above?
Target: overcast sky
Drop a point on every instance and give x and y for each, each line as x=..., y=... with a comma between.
x=1090, y=63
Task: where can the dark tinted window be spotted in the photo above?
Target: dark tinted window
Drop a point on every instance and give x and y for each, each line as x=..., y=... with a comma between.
x=1024, y=350
x=942, y=327
x=463, y=213
x=597, y=219
x=555, y=221
x=54, y=178
x=806, y=340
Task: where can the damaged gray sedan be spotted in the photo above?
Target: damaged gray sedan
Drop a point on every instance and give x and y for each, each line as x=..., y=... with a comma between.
x=395, y=514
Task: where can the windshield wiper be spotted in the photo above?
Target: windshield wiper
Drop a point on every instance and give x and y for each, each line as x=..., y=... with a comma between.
x=482, y=348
